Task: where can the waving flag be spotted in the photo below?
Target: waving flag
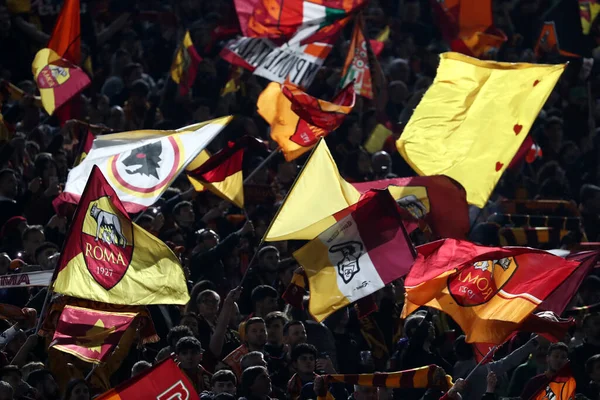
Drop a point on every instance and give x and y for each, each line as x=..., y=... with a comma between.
x=66, y=36
x=185, y=65
x=483, y=121
x=57, y=79
x=84, y=147
x=110, y=259
x=90, y=335
x=488, y=291
x=141, y=165
x=164, y=381
x=561, y=33
x=357, y=256
x=588, y=11
x=285, y=109
x=356, y=67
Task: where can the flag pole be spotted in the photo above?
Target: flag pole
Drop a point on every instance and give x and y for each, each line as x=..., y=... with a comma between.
x=262, y=164
x=489, y=354
x=44, y=307
x=89, y=375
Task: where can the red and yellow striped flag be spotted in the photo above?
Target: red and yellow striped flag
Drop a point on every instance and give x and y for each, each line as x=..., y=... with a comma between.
x=185, y=65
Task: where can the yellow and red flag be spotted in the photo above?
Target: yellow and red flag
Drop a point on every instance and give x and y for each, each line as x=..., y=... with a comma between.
x=57, y=79
x=378, y=44
x=588, y=11
x=90, y=335
x=85, y=147
x=101, y=261
x=185, y=65
x=467, y=26
x=482, y=124
x=288, y=110
x=164, y=381
x=488, y=291
x=356, y=67
x=66, y=36
x=357, y=256
x=222, y=173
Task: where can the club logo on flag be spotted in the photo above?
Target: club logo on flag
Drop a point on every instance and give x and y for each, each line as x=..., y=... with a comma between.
x=413, y=205
x=107, y=240
x=53, y=75
x=146, y=170
x=479, y=282
x=348, y=265
x=306, y=135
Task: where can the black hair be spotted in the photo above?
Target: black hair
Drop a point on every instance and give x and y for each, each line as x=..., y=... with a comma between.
x=180, y=205
x=224, y=375
x=188, y=343
x=261, y=292
x=275, y=316
x=176, y=333
x=37, y=377
x=288, y=325
x=249, y=376
x=10, y=369
x=303, y=348
x=558, y=346
x=45, y=246
x=252, y=321
x=30, y=229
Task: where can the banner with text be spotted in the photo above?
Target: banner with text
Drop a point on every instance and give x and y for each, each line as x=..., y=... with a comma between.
x=41, y=278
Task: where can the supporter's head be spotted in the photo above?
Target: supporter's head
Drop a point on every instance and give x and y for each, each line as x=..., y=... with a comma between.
x=591, y=326
x=256, y=382
x=9, y=185
x=30, y=367
x=304, y=357
x=33, y=237
x=275, y=321
x=189, y=352
x=338, y=320
x=294, y=333
x=77, y=389
x=411, y=11
x=176, y=333
x=6, y=391
x=207, y=239
x=191, y=321
x=184, y=214
x=253, y=359
x=224, y=381
x=208, y=304
x=416, y=326
x=365, y=393
x=592, y=368
x=46, y=168
x=286, y=270
x=11, y=374
x=140, y=367
x=264, y=300
x=553, y=133
x=256, y=333
x=462, y=349
x=382, y=163
x=558, y=356
x=198, y=288
x=44, y=383
x=44, y=253
x=14, y=345
x=163, y=354
x=139, y=93
x=116, y=119
x=131, y=73
x=268, y=258
x=589, y=196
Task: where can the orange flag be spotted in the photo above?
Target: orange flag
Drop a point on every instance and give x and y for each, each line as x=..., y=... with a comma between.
x=488, y=291
x=298, y=120
x=66, y=36
x=356, y=67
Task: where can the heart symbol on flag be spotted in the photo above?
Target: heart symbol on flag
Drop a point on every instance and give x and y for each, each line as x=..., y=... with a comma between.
x=517, y=128
x=499, y=166
x=536, y=82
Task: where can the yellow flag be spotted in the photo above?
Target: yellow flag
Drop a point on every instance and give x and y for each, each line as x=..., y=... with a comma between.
x=473, y=119
x=319, y=192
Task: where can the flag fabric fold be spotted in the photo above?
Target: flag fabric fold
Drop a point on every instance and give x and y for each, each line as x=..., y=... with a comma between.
x=488, y=291
x=222, y=173
x=284, y=108
x=483, y=121
x=360, y=254
x=88, y=334
x=588, y=11
x=164, y=381
x=417, y=378
x=110, y=259
x=185, y=64
x=65, y=39
x=141, y=165
x=356, y=67
x=84, y=147
x=57, y=79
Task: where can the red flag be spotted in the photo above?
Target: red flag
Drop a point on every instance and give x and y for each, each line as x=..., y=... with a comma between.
x=164, y=381
x=66, y=36
x=488, y=291
x=90, y=335
x=438, y=200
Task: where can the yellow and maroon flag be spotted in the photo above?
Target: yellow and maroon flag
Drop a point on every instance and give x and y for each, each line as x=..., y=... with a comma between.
x=357, y=256
x=222, y=173
x=588, y=11
x=356, y=67
x=298, y=120
x=488, y=291
x=57, y=79
x=185, y=65
x=84, y=147
x=108, y=258
x=90, y=335
x=482, y=124
x=164, y=381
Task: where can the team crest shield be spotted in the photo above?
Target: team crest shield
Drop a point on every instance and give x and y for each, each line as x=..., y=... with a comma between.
x=107, y=242
x=479, y=282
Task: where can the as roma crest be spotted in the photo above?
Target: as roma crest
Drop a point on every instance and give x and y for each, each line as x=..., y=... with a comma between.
x=479, y=282
x=107, y=242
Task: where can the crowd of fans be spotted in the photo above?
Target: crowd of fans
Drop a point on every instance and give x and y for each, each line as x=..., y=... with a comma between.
x=231, y=341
